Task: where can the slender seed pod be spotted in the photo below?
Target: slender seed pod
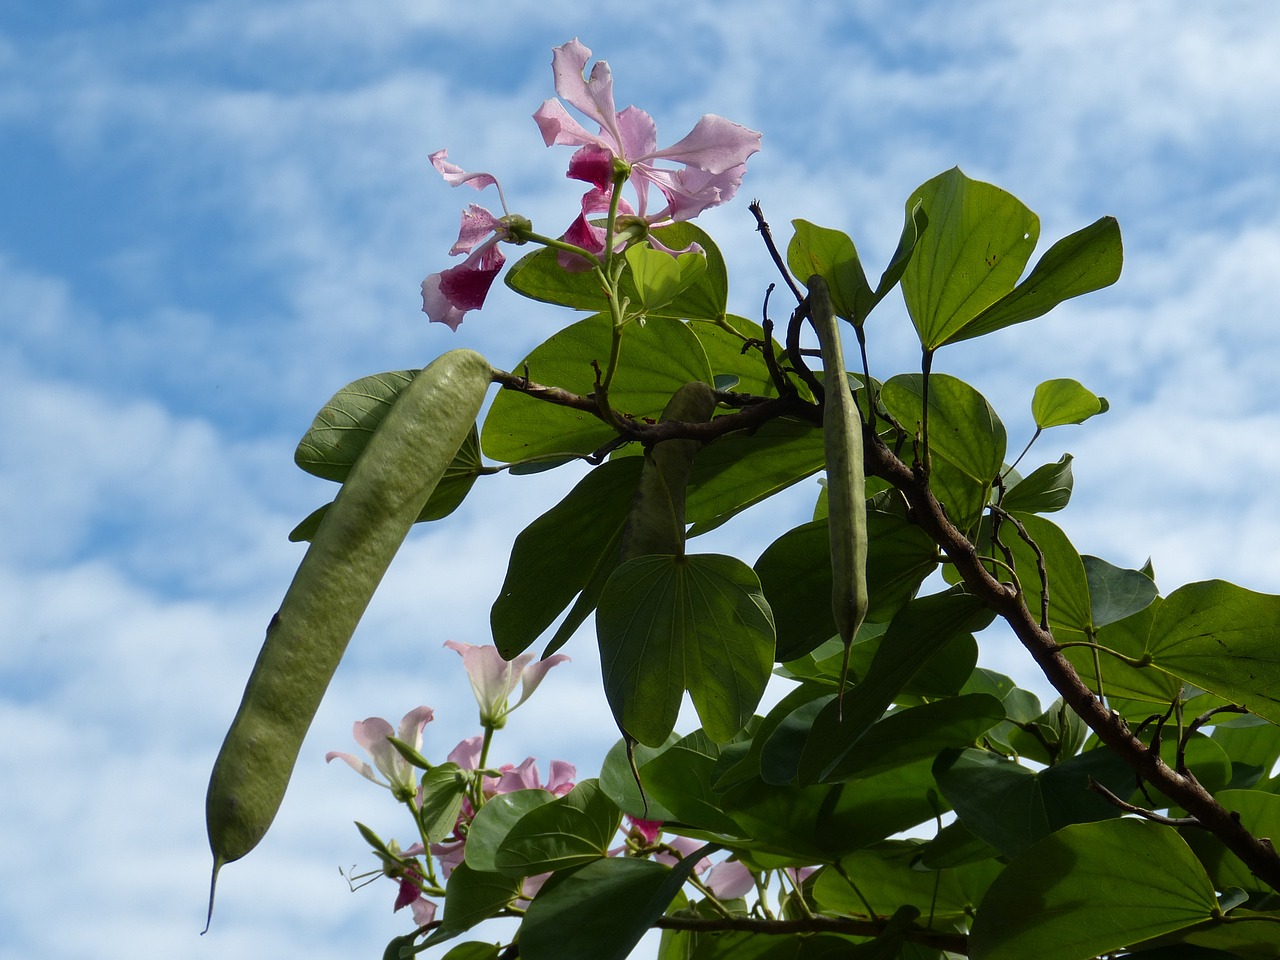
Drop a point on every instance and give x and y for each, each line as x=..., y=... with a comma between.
x=655, y=523
x=387, y=488
x=846, y=480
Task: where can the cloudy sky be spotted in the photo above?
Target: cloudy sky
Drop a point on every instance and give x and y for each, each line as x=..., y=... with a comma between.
x=214, y=214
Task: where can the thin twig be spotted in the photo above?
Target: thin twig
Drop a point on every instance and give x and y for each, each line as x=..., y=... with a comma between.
x=1143, y=812
x=763, y=226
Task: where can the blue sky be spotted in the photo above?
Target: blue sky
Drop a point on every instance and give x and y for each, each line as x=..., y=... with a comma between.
x=213, y=215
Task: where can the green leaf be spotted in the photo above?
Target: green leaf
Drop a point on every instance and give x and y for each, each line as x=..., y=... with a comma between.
x=1069, y=602
x=680, y=779
x=1087, y=260
x=459, y=477
x=668, y=624
x=978, y=242
x=443, y=788
x=1011, y=806
x=887, y=876
x=539, y=276
x=1045, y=489
x=919, y=733
x=1116, y=593
x=566, y=833
x=1089, y=889
x=727, y=357
x=656, y=360
x=1127, y=637
x=558, y=556
x=472, y=950
x=820, y=250
x=343, y=426
x=618, y=782
x=1222, y=638
x=915, y=635
x=659, y=277
x=795, y=573
x=1059, y=402
x=736, y=472
x=600, y=911
x=470, y=897
x=494, y=821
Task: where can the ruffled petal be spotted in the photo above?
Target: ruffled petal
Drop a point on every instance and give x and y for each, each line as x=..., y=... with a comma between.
x=713, y=145
x=560, y=129
x=478, y=225
x=455, y=176
x=592, y=96
x=437, y=306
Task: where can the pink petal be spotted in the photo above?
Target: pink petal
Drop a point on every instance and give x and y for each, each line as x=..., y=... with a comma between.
x=593, y=164
x=408, y=892
x=466, y=286
x=563, y=773
x=532, y=675
x=410, y=730
x=638, y=133
x=437, y=306
x=455, y=176
x=592, y=96
x=560, y=129
x=713, y=145
x=355, y=763
x=523, y=777
x=424, y=911
x=449, y=855
x=729, y=880
x=478, y=224
x=467, y=754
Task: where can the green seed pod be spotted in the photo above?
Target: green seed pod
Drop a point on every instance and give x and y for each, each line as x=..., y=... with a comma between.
x=846, y=480
x=387, y=488
x=656, y=524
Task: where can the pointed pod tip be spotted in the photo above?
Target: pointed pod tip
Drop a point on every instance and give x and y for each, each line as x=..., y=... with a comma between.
x=213, y=886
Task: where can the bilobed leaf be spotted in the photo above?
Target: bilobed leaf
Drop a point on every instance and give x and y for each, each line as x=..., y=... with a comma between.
x=1011, y=806
x=568, y=832
x=659, y=277
x=600, y=911
x=978, y=242
x=1089, y=889
x=1222, y=638
x=1059, y=402
x=556, y=557
x=1116, y=593
x=667, y=624
x=1087, y=260
x=656, y=360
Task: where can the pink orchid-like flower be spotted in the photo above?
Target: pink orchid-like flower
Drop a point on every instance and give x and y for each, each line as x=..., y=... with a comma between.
x=494, y=679
x=712, y=157
x=729, y=879
x=448, y=295
x=371, y=735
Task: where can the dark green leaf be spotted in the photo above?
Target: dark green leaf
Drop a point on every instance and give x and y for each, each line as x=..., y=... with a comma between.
x=1089, y=889
x=1116, y=593
x=443, y=788
x=1087, y=260
x=471, y=897
x=494, y=821
x=600, y=911
x=1011, y=807
x=668, y=624
x=566, y=833
x=473, y=950
x=728, y=359
x=556, y=557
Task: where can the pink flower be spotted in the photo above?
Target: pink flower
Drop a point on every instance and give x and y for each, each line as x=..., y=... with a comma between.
x=371, y=735
x=712, y=157
x=448, y=295
x=493, y=679
x=525, y=777
x=729, y=879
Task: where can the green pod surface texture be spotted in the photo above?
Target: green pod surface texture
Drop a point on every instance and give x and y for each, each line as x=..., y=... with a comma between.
x=655, y=523
x=846, y=480
x=387, y=488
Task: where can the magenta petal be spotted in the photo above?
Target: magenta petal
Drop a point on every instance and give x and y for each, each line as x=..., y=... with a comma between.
x=714, y=145
x=408, y=892
x=478, y=224
x=465, y=287
x=649, y=830
x=592, y=164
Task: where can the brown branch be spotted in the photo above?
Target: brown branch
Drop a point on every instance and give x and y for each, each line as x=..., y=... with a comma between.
x=953, y=942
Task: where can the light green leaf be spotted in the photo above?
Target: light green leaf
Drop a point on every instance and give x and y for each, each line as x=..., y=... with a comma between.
x=344, y=425
x=1089, y=889
x=978, y=242
x=667, y=624
x=656, y=360
x=1116, y=593
x=1087, y=260
x=814, y=249
x=566, y=833
x=727, y=358
x=1059, y=402
x=1224, y=639
x=443, y=787
x=659, y=277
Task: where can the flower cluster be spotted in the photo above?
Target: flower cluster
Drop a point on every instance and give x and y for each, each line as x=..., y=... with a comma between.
x=706, y=168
